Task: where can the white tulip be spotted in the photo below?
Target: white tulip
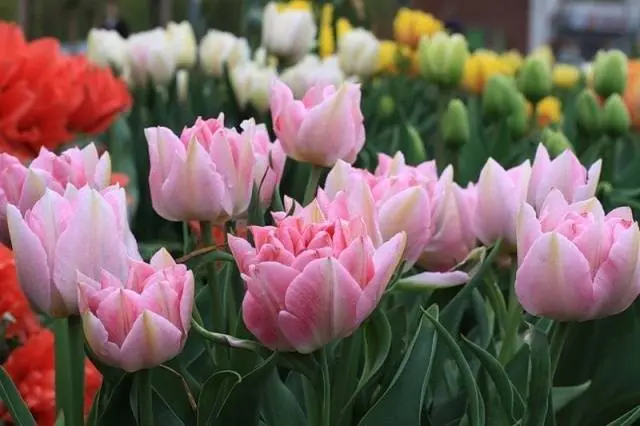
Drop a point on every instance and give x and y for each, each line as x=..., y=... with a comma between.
x=312, y=71
x=218, y=48
x=252, y=85
x=151, y=56
x=358, y=52
x=182, y=86
x=289, y=33
x=106, y=48
x=183, y=43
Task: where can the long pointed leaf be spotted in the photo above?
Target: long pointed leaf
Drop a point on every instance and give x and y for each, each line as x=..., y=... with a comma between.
x=13, y=401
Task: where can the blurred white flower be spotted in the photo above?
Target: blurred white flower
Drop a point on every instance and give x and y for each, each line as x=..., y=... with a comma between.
x=260, y=56
x=358, y=52
x=218, y=47
x=312, y=71
x=289, y=33
x=252, y=84
x=151, y=56
x=183, y=43
x=106, y=48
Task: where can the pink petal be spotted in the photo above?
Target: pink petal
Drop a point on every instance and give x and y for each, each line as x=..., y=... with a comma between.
x=98, y=340
x=437, y=280
x=357, y=259
x=528, y=230
x=263, y=323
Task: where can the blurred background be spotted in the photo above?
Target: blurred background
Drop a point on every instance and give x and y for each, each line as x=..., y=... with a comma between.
x=575, y=29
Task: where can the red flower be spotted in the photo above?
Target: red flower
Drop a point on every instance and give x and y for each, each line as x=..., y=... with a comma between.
x=31, y=367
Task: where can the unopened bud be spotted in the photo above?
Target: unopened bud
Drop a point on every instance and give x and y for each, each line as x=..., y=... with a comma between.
x=386, y=106
x=497, y=99
x=556, y=142
x=615, y=116
x=442, y=58
x=455, y=124
x=518, y=121
x=534, y=80
x=610, y=73
x=589, y=117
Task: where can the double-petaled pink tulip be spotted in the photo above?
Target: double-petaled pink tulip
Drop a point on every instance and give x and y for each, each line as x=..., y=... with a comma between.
x=141, y=320
x=310, y=281
x=83, y=230
x=270, y=159
x=498, y=197
x=574, y=262
x=22, y=186
x=324, y=127
x=564, y=173
x=206, y=174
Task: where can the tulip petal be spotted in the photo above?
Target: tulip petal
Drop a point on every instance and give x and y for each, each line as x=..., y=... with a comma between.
x=162, y=259
x=435, y=280
x=263, y=323
x=320, y=305
x=357, y=259
x=528, y=230
x=554, y=280
x=243, y=253
x=589, y=189
x=98, y=340
x=186, y=302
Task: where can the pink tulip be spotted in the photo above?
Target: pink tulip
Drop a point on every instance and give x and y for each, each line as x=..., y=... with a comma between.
x=270, y=159
x=499, y=195
x=324, y=127
x=206, y=174
x=22, y=186
x=141, y=320
x=311, y=282
x=564, y=173
x=83, y=230
x=574, y=262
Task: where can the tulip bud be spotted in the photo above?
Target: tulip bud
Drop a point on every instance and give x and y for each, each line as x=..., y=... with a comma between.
x=442, y=58
x=386, y=106
x=455, y=124
x=556, y=142
x=534, y=80
x=183, y=41
x=615, y=116
x=588, y=113
x=497, y=100
x=358, y=52
x=610, y=73
x=518, y=121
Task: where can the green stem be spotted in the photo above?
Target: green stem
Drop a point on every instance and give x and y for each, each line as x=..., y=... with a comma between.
x=186, y=238
x=558, y=339
x=440, y=148
x=514, y=317
x=61, y=360
x=312, y=184
x=145, y=398
x=325, y=408
x=76, y=371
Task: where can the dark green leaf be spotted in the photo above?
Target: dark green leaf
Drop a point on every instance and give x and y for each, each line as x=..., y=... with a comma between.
x=539, y=381
x=200, y=258
x=509, y=396
x=114, y=403
x=13, y=401
x=630, y=418
x=172, y=390
x=476, y=406
x=402, y=402
x=279, y=405
x=214, y=394
x=565, y=394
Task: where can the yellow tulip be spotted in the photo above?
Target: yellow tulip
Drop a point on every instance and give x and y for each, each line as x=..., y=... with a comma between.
x=295, y=4
x=479, y=67
x=565, y=76
x=393, y=57
x=512, y=61
x=545, y=53
x=326, y=41
x=549, y=111
x=410, y=25
x=343, y=26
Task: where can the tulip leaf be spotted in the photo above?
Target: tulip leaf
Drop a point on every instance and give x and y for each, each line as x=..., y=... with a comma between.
x=476, y=406
x=200, y=258
x=630, y=418
x=402, y=402
x=279, y=405
x=114, y=403
x=172, y=390
x=507, y=392
x=214, y=393
x=539, y=381
x=345, y=370
x=13, y=401
x=243, y=404
x=563, y=395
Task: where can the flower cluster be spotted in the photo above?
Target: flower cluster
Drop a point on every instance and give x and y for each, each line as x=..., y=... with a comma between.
x=48, y=96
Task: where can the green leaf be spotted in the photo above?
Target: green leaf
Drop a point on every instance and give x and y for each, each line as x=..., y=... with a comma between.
x=242, y=405
x=377, y=343
x=256, y=215
x=345, y=364
x=214, y=394
x=279, y=405
x=13, y=401
x=173, y=392
x=563, y=395
x=414, y=149
x=509, y=396
x=630, y=418
x=539, y=381
x=200, y=258
x=476, y=405
x=403, y=400
x=114, y=403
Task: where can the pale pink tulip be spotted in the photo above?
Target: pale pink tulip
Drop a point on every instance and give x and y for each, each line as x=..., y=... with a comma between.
x=270, y=159
x=324, y=127
x=206, y=174
x=22, y=186
x=574, y=262
x=141, y=320
x=83, y=230
x=499, y=195
x=564, y=173
x=311, y=282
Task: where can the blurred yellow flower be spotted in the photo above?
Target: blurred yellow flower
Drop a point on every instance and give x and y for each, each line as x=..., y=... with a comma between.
x=326, y=41
x=565, y=76
x=410, y=25
x=295, y=4
x=545, y=53
x=393, y=57
x=512, y=60
x=549, y=111
x=343, y=26
x=480, y=66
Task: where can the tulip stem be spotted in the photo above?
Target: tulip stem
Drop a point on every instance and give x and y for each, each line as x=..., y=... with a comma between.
x=325, y=410
x=145, y=398
x=61, y=361
x=75, y=369
x=558, y=339
x=514, y=317
x=312, y=184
